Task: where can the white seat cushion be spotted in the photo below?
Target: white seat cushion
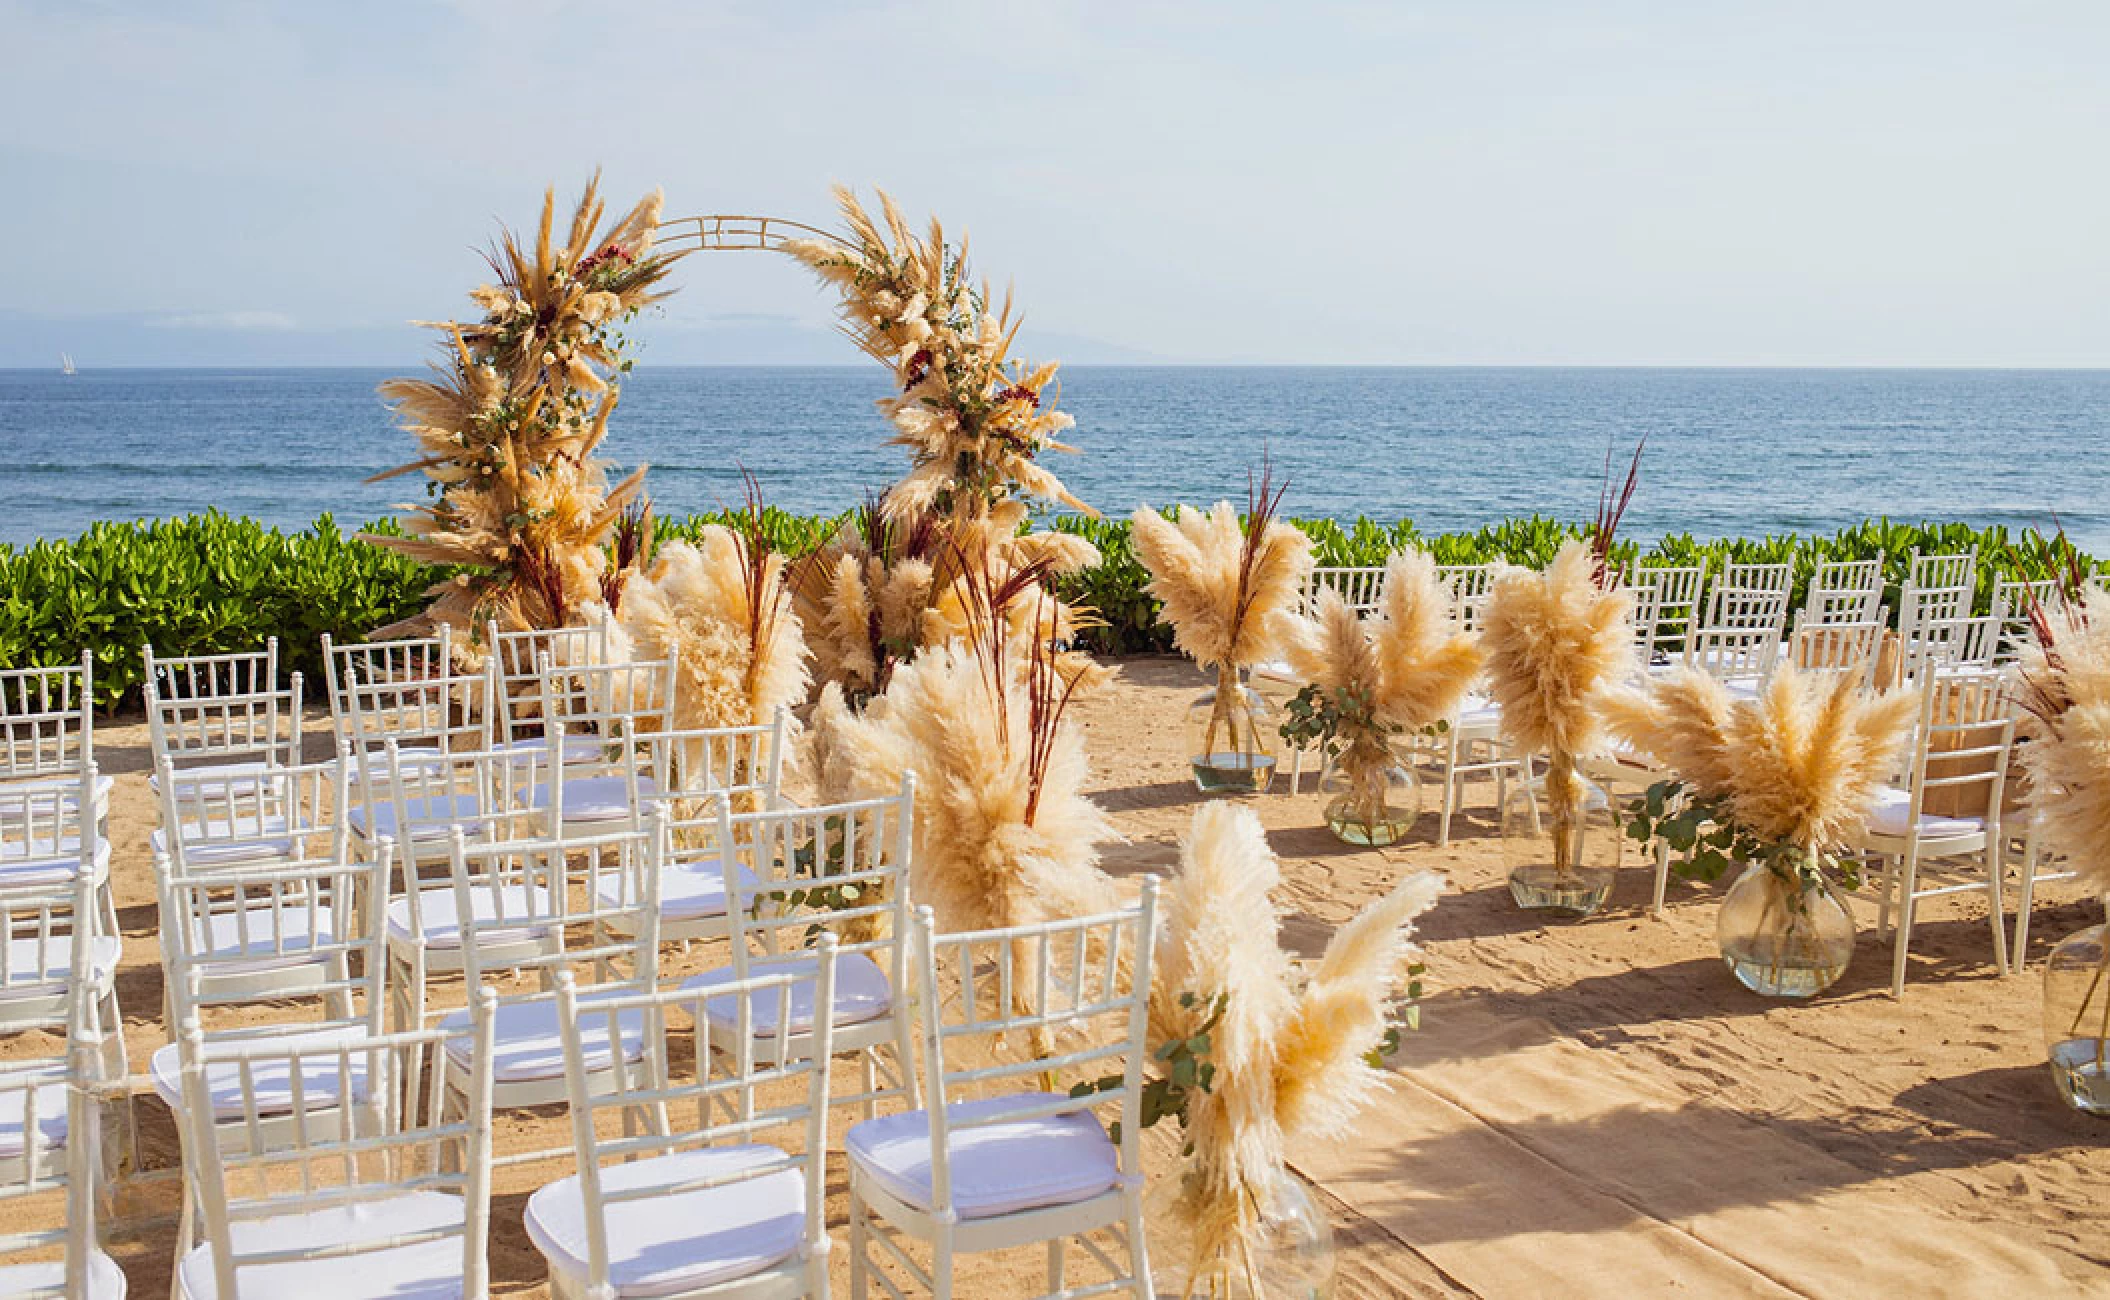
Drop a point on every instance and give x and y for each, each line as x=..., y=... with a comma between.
x=577, y=749
x=12, y=797
x=106, y=1281
x=431, y=818
x=44, y=863
x=592, y=798
x=669, y=1244
x=427, y=1270
x=1892, y=816
x=24, y=979
x=688, y=891
x=529, y=1045
x=15, y=1103
x=322, y=1083
x=234, y=780
x=253, y=932
x=221, y=842
x=1001, y=1168
x=443, y=928
x=861, y=993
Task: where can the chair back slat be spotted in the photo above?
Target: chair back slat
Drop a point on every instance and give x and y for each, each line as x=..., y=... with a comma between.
x=47, y=720
x=1361, y=586
x=1470, y=586
x=1666, y=609
x=1844, y=591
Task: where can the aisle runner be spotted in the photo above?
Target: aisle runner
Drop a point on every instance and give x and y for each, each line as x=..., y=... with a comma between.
x=1525, y=1163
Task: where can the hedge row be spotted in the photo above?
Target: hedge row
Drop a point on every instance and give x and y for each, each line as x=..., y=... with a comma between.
x=208, y=583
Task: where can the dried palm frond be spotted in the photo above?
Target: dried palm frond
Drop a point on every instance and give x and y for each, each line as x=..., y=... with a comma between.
x=2065, y=675
x=1289, y=1065
x=1556, y=644
x=507, y=425
x=1801, y=765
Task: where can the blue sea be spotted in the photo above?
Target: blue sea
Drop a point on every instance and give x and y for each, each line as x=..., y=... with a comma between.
x=1730, y=452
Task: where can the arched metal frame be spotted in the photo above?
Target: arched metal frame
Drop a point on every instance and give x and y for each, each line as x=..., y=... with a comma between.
x=727, y=233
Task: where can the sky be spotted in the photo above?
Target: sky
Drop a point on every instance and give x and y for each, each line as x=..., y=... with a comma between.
x=1525, y=182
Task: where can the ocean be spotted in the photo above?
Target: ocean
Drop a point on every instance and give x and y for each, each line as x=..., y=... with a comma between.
x=1729, y=453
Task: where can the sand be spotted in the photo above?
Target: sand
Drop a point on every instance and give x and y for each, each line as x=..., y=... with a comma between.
x=1589, y=1108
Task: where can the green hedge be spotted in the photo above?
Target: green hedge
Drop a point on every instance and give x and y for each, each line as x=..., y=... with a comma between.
x=211, y=582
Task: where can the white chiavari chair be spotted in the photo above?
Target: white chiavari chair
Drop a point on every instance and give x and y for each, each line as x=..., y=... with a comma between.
x=1666, y=610
x=47, y=844
x=1844, y=591
x=293, y=935
x=994, y=1162
x=516, y=660
x=1361, y=586
x=702, y=1205
x=222, y=715
x=407, y=692
x=405, y=660
x=745, y=764
x=2012, y=600
x=1951, y=645
x=281, y=814
x=614, y=705
x=51, y=1151
x=1751, y=596
x=1938, y=589
x=789, y=875
x=1739, y=657
x=1470, y=585
x=47, y=725
x=537, y=907
x=1947, y=814
x=1851, y=648
x=388, y=1197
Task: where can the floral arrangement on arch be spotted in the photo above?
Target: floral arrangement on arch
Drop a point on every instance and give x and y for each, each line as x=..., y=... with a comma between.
x=509, y=422
x=974, y=420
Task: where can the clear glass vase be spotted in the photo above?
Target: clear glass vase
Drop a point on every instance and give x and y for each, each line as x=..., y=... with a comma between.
x=1560, y=842
x=1231, y=738
x=2077, y=1019
x=1783, y=936
x=1373, y=794
x=1289, y=1255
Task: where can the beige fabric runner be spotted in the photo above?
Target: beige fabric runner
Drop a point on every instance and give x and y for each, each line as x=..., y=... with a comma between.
x=1521, y=1162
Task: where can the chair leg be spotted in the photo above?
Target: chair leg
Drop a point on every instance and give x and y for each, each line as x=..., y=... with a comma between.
x=941, y=1263
x=1996, y=898
x=1886, y=887
x=1662, y=878
x=868, y=1060
x=1138, y=1247
x=1450, y=788
x=1908, y=901
x=2018, y=955
x=1055, y=1264
x=859, y=1226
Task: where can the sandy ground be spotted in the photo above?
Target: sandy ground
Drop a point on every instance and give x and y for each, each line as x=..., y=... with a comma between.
x=1589, y=1108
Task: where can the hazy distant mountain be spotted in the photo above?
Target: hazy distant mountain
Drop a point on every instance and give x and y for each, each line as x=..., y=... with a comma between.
x=237, y=339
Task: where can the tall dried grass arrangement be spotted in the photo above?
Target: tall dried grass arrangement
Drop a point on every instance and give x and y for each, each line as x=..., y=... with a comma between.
x=1404, y=668
x=862, y=597
x=1004, y=835
x=1798, y=766
x=1229, y=588
x=508, y=423
x=1291, y=1063
x=2065, y=680
x=721, y=609
x=1557, y=643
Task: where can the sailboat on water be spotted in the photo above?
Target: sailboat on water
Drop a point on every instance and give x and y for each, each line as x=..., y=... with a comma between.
x=65, y=363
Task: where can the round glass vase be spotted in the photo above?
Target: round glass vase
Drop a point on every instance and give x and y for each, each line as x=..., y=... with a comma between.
x=2077, y=1019
x=1289, y=1254
x=1373, y=794
x=1560, y=843
x=1231, y=738
x=1783, y=935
